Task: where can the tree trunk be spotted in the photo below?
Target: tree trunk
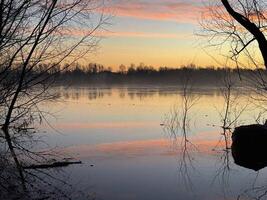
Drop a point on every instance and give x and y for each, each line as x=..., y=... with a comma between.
x=14, y=156
x=251, y=27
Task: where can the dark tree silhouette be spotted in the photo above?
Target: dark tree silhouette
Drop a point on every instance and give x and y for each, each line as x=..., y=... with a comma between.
x=251, y=10
x=34, y=32
x=240, y=25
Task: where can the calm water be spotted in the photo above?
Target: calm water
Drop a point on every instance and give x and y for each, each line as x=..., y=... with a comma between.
x=121, y=136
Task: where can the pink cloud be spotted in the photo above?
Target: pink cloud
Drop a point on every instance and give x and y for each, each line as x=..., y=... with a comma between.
x=167, y=10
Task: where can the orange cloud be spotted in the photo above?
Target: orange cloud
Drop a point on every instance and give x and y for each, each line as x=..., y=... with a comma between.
x=144, y=35
x=127, y=34
x=105, y=125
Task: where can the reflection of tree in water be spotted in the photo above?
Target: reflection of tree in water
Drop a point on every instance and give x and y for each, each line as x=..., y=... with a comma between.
x=148, y=92
x=231, y=22
x=141, y=93
x=229, y=116
x=122, y=92
x=75, y=93
x=177, y=124
x=33, y=46
x=255, y=192
x=99, y=92
x=230, y=119
x=47, y=183
x=96, y=94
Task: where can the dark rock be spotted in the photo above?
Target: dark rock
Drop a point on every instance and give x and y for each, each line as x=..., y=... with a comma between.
x=249, y=147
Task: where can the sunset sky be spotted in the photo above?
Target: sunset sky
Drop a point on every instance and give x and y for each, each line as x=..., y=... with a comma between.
x=154, y=32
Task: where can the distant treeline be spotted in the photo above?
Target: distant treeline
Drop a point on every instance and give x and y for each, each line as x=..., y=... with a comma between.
x=142, y=74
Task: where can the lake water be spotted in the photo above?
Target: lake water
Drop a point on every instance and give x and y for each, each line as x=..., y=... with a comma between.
x=121, y=135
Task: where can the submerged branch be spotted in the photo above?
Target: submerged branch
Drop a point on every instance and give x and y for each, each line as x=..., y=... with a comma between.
x=53, y=165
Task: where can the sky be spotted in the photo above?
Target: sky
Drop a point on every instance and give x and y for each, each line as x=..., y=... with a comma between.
x=153, y=32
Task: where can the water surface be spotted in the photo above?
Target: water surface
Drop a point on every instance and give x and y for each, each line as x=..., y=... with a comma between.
x=120, y=135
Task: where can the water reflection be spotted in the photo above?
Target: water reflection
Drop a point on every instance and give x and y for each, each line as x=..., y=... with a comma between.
x=119, y=132
x=177, y=124
x=247, y=152
x=75, y=93
x=41, y=184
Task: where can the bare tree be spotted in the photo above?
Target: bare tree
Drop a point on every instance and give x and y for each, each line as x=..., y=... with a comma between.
x=35, y=37
x=240, y=27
